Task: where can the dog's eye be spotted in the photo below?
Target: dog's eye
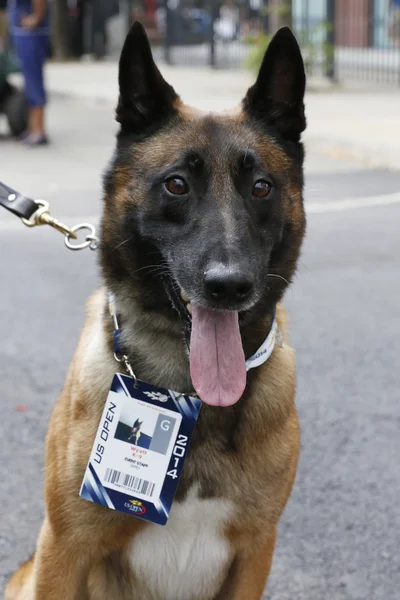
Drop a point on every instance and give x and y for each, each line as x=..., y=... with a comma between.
x=262, y=188
x=176, y=186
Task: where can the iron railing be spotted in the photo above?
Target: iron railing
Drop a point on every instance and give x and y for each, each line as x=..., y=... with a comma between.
x=342, y=40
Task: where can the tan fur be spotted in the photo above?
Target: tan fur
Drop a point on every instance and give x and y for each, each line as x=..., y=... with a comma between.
x=249, y=573
x=81, y=553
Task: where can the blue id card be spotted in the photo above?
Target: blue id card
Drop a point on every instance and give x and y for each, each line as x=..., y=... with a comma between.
x=140, y=448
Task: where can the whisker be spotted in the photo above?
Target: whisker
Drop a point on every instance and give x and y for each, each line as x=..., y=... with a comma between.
x=153, y=269
x=124, y=242
x=278, y=277
x=158, y=266
x=305, y=265
x=158, y=271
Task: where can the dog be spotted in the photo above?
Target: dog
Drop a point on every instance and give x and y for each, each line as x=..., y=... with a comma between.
x=202, y=227
x=135, y=432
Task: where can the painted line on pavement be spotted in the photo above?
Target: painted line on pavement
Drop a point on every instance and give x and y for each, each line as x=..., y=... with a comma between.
x=351, y=203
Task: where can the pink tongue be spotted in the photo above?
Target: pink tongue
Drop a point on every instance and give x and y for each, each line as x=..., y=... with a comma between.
x=217, y=363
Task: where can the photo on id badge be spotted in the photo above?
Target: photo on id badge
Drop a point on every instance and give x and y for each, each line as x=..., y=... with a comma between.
x=145, y=428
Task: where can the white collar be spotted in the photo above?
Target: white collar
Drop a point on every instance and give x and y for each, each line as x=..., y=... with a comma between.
x=259, y=358
x=266, y=348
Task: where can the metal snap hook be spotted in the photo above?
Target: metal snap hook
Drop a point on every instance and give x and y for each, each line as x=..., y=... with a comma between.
x=91, y=240
x=124, y=359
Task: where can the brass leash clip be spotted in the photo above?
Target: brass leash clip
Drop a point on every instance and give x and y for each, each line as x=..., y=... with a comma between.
x=43, y=217
x=37, y=212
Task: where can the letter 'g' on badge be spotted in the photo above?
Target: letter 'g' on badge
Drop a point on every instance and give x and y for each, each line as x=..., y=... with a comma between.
x=162, y=434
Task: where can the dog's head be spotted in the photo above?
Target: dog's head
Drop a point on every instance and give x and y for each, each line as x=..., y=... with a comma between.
x=137, y=425
x=203, y=212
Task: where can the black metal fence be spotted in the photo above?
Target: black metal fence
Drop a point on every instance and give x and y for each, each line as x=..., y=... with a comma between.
x=343, y=40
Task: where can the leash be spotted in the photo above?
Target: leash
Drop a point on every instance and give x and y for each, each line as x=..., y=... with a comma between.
x=37, y=212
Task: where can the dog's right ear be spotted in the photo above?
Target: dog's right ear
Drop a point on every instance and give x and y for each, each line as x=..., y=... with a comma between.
x=145, y=98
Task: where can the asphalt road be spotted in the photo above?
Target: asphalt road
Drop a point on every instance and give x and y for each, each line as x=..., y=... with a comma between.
x=339, y=536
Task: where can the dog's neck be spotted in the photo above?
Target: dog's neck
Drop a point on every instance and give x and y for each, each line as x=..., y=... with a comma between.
x=156, y=346
x=154, y=343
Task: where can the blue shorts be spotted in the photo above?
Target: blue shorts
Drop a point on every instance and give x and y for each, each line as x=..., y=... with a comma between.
x=32, y=51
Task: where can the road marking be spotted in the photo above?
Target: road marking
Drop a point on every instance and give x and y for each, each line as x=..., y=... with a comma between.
x=351, y=203
x=311, y=208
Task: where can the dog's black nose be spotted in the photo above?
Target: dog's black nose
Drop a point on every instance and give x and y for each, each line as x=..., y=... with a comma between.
x=227, y=284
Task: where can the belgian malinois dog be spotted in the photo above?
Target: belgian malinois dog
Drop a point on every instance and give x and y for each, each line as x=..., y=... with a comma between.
x=202, y=227
x=135, y=432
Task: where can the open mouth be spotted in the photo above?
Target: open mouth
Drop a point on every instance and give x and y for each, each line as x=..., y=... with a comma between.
x=217, y=361
x=181, y=304
x=187, y=304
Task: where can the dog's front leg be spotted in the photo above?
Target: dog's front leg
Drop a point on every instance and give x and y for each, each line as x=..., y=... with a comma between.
x=60, y=568
x=248, y=576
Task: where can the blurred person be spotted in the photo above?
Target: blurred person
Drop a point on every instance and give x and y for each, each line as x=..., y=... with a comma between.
x=30, y=31
x=99, y=29
x=102, y=12
x=160, y=17
x=254, y=15
x=227, y=25
x=394, y=22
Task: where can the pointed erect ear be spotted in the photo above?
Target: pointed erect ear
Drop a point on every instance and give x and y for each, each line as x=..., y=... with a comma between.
x=145, y=98
x=277, y=96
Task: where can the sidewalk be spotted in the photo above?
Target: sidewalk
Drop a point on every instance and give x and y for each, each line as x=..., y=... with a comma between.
x=363, y=125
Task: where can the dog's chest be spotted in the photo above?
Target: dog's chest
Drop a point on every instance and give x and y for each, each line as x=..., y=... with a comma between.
x=188, y=558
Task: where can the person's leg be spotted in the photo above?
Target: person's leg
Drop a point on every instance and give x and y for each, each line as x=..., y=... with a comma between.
x=36, y=120
x=37, y=112
x=32, y=51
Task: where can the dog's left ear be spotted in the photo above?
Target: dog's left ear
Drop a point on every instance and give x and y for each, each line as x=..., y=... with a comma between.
x=277, y=97
x=145, y=98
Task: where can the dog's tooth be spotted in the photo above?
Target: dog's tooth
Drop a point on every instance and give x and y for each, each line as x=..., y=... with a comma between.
x=185, y=298
x=189, y=308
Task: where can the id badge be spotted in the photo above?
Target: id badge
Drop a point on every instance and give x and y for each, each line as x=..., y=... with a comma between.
x=139, y=450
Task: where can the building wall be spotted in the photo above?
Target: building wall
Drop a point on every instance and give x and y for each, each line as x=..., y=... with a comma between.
x=354, y=27
x=352, y=23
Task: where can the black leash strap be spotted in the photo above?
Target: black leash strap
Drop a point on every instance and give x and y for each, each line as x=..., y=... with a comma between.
x=19, y=205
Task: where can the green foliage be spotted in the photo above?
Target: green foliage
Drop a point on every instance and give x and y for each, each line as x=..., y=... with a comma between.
x=317, y=52
x=258, y=45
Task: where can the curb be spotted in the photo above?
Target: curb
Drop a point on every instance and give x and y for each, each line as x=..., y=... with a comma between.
x=88, y=99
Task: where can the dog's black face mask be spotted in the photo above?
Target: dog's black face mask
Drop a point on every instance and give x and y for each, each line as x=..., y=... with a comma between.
x=204, y=213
